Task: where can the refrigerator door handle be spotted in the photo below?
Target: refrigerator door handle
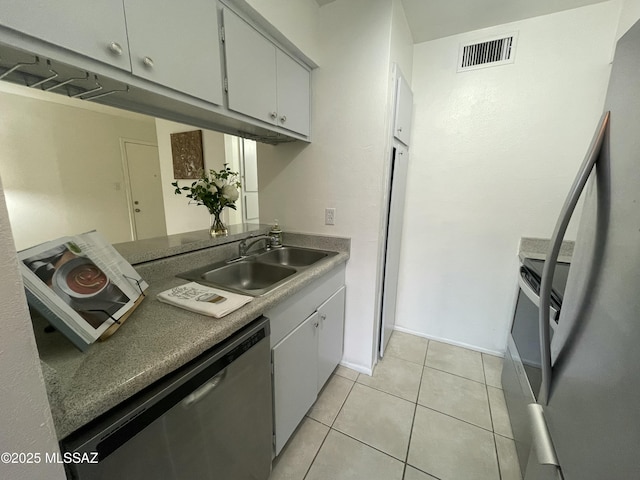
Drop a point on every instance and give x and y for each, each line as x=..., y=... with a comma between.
x=541, y=438
x=554, y=250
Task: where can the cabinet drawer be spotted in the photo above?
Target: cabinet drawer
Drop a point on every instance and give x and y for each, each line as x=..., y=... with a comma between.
x=289, y=314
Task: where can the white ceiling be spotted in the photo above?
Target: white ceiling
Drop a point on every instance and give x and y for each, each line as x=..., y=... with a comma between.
x=431, y=19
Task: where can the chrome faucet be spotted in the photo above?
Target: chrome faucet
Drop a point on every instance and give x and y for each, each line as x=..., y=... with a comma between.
x=243, y=247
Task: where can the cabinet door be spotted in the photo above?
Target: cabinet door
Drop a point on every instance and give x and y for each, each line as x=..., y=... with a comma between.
x=330, y=335
x=295, y=378
x=177, y=45
x=293, y=94
x=404, y=111
x=93, y=28
x=251, y=70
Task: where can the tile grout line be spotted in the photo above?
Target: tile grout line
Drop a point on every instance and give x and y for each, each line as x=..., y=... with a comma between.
x=455, y=374
x=367, y=445
x=317, y=452
x=415, y=409
x=414, y=416
x=456, y=418
x=388, y=393
x=330, y=426
x=493, y=433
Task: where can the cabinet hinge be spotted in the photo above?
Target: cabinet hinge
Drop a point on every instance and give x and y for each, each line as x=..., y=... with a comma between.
x=273, y=370
x=222, y=33
x=273, y=440
x=226, y=84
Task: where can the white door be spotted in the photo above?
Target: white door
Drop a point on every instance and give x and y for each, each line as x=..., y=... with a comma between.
x=143, y=165
x=399, y=166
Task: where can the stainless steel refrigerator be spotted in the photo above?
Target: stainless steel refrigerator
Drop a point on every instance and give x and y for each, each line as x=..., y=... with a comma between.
x=586, y=424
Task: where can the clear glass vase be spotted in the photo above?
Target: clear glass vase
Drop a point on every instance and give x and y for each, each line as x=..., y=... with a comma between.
x=217, y=228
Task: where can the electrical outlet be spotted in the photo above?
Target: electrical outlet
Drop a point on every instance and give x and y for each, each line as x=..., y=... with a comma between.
x=329, y=216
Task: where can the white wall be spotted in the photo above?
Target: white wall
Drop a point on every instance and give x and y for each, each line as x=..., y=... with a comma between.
x=401, y=41
x=297, y=20
x=493, y=154
x=25, y=423
x=180, y=215
x=343, y=167
x=61, y=165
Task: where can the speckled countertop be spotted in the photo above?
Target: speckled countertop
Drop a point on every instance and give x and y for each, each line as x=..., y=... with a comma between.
x=162, y=247
x=537, y=248
x=157, y=338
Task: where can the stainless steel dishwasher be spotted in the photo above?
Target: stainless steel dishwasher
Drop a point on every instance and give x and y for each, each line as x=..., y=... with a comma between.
x=211, y=419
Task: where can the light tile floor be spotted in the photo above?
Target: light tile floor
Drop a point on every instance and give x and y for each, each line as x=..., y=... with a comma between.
x=430, y=411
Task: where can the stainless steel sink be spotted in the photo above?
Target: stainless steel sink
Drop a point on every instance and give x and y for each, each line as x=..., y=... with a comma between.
x=259, y=273
x=292, y=256
x=248, y=275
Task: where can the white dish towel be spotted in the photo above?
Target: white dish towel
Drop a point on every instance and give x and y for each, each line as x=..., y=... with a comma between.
x=205, y=300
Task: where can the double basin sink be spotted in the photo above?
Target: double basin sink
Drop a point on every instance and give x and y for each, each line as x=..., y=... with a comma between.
x=259, y=273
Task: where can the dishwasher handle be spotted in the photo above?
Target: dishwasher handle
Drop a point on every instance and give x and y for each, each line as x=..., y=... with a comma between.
x=204, y=390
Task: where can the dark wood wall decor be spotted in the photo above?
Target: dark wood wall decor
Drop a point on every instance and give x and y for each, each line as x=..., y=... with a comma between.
x=188, y=160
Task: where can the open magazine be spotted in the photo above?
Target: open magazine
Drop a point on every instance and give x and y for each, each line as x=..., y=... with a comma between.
x=81, y=284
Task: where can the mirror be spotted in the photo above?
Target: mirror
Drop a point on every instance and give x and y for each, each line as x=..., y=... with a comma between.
x=69, y=166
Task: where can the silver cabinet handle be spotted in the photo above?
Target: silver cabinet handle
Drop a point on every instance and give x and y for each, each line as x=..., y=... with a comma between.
x=399, y=129
x=283, y=118
x=137, y=210
x=316, y=324
x=323, y=317
x=148, y=62
x=273, y=115
x=115, y=48
x=554, y=250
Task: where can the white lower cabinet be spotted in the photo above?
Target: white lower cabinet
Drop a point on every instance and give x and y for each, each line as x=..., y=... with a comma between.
x=295, y=382
x=330, y=335
x=304, y=353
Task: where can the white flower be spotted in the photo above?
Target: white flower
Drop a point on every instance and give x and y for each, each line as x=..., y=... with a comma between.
x=230, y=193
x=219, y=182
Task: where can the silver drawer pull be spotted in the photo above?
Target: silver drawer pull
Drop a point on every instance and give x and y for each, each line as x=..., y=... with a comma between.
x=148, y=62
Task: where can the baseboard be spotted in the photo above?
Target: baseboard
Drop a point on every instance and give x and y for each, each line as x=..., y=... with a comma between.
x=357, y=368
x=450, y=342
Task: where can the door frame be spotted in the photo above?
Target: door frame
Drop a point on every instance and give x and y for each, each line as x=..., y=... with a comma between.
x=127, y=181
x=394, y=74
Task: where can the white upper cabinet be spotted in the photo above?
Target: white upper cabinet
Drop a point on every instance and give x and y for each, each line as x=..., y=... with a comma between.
x=293, y=94
x=95, y=28
x=251, y=69
x=263, y=81
x=404, y=111
x=176, y=44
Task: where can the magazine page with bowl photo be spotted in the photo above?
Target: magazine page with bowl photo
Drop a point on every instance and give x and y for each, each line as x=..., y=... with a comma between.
x=82, y=281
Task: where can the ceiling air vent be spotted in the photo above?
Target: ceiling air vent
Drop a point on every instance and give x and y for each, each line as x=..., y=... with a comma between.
x=490, y=53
